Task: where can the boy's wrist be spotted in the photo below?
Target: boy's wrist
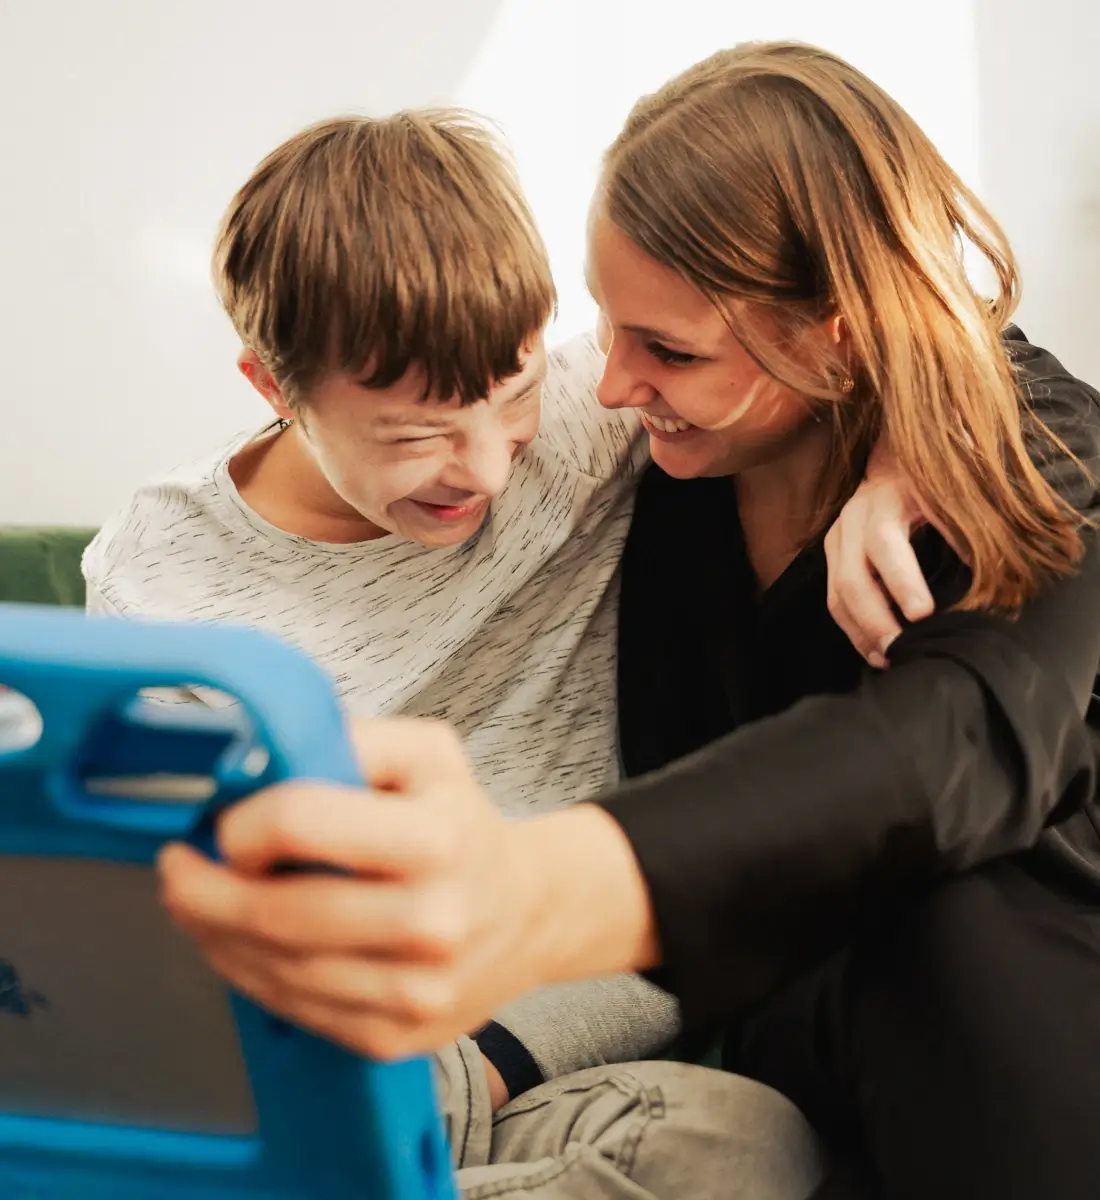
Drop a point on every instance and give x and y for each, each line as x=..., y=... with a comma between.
x=512, y=1063
x=498, y=1089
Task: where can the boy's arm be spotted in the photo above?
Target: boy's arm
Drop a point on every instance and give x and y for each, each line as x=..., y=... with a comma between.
x=557, y=1030
x=872, y=563
x=99, y=561
x=96, y=603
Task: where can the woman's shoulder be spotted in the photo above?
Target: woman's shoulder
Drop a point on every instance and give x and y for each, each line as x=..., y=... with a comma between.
x=1057, y=403
x=1043, y=379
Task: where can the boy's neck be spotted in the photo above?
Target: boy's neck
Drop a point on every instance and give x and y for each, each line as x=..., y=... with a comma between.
x=277, y=477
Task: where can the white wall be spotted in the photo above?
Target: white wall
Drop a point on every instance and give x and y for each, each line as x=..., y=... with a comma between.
x=1040, y=162
x=129, y=123
x=561, y=76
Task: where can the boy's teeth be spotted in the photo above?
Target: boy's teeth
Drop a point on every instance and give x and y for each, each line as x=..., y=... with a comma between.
x=666, y=425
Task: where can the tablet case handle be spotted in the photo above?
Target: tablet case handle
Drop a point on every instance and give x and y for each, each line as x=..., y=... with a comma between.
x=88, y=678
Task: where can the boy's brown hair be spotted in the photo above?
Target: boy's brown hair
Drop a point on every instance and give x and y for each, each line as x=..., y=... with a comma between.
x=384, y=244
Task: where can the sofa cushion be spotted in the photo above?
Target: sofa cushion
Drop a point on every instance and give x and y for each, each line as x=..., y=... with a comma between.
x=40, y=565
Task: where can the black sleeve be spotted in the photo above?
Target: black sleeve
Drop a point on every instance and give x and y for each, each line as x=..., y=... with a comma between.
x=765, y=850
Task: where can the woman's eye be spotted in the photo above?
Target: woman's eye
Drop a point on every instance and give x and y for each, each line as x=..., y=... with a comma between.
x=672, y=358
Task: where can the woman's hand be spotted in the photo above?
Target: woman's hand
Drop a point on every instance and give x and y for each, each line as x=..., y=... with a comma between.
x=448, y=910
x=871, y=559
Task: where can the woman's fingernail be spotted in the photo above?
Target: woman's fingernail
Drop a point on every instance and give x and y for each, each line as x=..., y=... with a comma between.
x=876, y=660
x=885, y=643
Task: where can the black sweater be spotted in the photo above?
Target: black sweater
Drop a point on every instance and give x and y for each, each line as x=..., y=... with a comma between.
x=813, y=789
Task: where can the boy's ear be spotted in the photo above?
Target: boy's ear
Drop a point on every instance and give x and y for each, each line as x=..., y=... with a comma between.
x=250, y=366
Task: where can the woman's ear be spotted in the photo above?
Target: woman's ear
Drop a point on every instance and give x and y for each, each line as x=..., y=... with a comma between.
x=250, y=366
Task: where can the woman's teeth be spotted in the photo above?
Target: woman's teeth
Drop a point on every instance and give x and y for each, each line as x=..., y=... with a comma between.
x=668, y=424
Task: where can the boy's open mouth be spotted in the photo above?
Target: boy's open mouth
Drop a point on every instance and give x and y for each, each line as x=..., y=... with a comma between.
x=453, y=513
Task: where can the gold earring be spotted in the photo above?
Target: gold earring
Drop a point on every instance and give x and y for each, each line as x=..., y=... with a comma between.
x=847, y=385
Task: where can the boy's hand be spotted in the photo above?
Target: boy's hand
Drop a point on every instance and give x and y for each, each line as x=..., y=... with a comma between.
x=871, y=560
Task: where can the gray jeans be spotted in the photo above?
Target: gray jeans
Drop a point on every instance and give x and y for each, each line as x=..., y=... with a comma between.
x=643, y=1131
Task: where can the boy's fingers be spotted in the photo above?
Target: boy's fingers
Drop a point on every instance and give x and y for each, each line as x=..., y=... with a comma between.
x=860, y=608
x=891, y=554
x=856, y=601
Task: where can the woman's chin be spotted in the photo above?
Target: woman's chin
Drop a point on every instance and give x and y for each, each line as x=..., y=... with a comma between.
x=685, y=462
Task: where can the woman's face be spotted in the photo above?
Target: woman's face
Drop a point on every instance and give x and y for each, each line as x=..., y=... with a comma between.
x=708, y=408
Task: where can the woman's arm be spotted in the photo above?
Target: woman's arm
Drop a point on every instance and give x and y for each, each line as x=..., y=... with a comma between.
x=764, y=850
x=446, y=912
x=734, y=869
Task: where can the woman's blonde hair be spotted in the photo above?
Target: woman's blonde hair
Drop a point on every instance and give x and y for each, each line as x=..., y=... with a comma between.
x=777, y=177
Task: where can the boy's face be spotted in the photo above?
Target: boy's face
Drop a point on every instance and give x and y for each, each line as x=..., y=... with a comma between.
x=425, y=470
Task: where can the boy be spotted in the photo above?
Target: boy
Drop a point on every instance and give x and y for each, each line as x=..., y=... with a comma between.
x=407, y=394
x=409, y=523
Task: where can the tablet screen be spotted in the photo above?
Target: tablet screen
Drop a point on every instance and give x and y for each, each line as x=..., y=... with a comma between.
x=107, y=1012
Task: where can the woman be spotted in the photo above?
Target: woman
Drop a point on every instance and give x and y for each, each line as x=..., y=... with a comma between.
x=769, y=348
x=776, y=252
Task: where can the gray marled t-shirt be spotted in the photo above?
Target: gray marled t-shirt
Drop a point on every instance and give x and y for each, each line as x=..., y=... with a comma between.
x=510, y=636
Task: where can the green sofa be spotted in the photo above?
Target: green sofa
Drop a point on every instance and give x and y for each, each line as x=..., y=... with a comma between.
x=42, y=565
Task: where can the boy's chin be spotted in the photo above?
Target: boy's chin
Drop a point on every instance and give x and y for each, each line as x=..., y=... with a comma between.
x=443, y=535
x=443, y=541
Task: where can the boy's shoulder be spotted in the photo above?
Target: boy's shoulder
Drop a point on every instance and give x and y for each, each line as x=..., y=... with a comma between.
x=594, y=440
x=177, y=516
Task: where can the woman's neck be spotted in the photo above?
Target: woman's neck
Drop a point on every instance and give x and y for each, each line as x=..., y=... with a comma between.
x=777, y=503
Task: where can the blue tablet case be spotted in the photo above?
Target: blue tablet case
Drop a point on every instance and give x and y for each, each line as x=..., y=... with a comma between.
x=126, y=1069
